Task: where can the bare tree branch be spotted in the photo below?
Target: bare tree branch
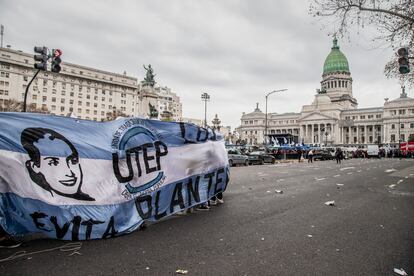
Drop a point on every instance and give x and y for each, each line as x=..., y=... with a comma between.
x=393, y=19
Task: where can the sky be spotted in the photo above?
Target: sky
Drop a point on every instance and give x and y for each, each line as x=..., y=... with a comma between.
x=235, y=50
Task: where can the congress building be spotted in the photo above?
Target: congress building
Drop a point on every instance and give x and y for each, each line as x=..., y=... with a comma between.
x=334, y=118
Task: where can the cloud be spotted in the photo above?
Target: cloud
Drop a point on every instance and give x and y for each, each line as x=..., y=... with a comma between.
x=235, y=50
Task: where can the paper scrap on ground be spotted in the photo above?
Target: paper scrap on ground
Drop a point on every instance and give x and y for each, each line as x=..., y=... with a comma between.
x=181, y=271
x=279, y=191
x=400, y=271
x=347, y=168
x=390, y=170
x=330, y=203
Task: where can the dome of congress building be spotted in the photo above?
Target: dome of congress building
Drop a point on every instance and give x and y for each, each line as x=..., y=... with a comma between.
x=336, y=61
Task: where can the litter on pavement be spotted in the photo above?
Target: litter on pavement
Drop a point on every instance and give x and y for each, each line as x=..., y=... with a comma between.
x=279, y=191
x=400, y=271
x=330, y=203
x=181, y=271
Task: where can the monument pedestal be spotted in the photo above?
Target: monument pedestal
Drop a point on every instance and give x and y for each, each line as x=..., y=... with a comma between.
x=147, y=96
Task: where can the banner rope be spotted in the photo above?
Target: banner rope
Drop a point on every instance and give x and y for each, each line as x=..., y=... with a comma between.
x=73, y=246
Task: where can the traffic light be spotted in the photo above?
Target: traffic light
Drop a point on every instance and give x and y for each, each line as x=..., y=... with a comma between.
x=42, y=58
x=403, y=61
x=56, y=60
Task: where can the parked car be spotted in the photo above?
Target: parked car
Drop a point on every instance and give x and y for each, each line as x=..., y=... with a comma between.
x=322, y=155
x=235, y=157
x=260, y=157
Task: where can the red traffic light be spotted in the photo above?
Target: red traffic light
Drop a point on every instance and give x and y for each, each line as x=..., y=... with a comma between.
x=57, y=52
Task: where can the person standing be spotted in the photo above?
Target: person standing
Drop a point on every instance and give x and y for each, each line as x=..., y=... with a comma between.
x=338, y=155
x=299, y=155
x=310, y=156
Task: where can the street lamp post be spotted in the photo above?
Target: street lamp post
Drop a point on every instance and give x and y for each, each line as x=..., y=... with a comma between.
x=205, y=98
x=267, y=95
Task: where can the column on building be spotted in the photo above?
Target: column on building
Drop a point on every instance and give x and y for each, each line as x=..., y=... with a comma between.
x=312, y=133
x=357, y=134
x=366, y=134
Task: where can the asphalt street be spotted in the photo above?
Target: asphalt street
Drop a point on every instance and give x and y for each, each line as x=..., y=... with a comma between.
x=257, y=231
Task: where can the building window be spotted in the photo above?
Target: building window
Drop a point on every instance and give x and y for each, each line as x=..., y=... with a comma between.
x=62, y=108
x=53, y=99
x=411, y=125
x=88, y=104
x=392, y=126
x=62, y=101
x=34, y=97
x=53, y=107
x=79, y=102
x=402, y=125
x=401, y=111
x=44, y=98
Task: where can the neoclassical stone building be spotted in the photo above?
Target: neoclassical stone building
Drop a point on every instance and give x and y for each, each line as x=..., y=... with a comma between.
x=334, y=117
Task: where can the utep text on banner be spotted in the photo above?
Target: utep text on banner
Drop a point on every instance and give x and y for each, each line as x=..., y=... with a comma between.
x=76, y=179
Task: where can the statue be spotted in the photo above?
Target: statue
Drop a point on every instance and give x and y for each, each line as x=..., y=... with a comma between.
x=149, y=78
x=153, y=113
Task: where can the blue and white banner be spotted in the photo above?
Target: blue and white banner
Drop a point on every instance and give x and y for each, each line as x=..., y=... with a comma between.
x=75, y=179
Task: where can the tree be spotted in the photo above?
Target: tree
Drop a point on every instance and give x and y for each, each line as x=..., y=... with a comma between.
x=16, y=106
x=115, y=113
x=393, y=20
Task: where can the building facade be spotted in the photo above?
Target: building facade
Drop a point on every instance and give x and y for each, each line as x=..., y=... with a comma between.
x=334, y=118
x=85, y=92
x=169, y=104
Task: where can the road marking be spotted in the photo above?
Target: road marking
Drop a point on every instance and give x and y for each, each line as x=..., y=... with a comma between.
x=350, y=173
x=319, y=179
x=337, y=175
x=390, y=170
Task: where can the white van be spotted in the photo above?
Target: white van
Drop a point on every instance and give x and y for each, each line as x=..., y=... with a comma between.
x=373, y=151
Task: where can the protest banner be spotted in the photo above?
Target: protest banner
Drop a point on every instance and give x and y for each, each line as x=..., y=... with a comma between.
x=74, y=179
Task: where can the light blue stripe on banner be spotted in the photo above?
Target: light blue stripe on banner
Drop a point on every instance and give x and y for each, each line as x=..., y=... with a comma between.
x=97, y=140
x=24, y=216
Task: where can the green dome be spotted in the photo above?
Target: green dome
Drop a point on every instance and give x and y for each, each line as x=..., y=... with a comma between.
x=336, y=61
